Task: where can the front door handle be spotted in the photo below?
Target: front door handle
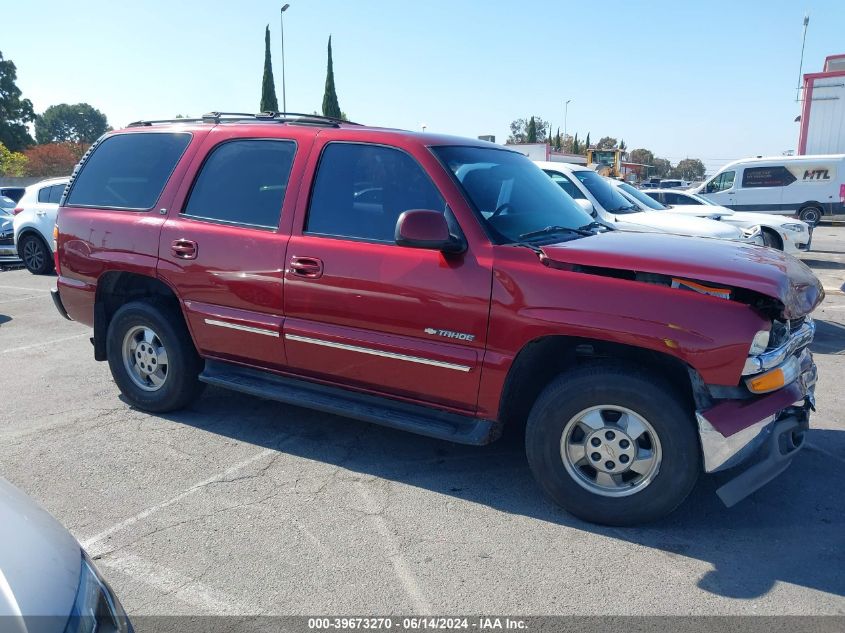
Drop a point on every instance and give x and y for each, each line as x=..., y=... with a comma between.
x=310, y=267
x=184, y=249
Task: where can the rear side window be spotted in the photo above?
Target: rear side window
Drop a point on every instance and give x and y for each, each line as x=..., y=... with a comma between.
x=675, y=198
x=56, y=192
x=361, y=190
x=44, y=194
x=243, y=182
x=128, y=171
x=767, y=177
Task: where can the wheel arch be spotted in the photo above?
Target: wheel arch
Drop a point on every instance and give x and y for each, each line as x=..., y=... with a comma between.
x=542, y=359
x=114, y=289
x=778, y=239
x=26, y=231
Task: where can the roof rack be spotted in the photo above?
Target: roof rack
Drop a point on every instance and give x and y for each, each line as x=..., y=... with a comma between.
x=299, y=118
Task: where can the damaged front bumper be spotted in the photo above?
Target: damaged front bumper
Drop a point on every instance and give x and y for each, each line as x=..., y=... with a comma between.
x=766, y=432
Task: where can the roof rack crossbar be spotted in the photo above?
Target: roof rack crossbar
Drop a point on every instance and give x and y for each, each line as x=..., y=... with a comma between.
x=280, y=117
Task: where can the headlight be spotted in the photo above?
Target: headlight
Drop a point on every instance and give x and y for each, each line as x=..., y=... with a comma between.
x=760, y=343
x=795, y=228
x=96, y=609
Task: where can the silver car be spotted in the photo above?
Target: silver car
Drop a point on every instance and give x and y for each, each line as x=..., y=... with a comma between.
x=47, y=582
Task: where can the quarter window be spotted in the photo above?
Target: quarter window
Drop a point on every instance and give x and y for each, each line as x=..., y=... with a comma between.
x=44, y=195
x=361, y=190
x=56, y=193
x=767, y=177
x=243, y=182
x=128, y=171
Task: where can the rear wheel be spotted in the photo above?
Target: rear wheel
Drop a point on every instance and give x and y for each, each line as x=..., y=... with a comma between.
x=810, y=215
x=35, y=255
x=151, y=357
x=613, y=445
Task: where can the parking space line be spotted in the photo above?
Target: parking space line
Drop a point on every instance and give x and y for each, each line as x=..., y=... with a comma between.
x=7, y=301
x=43, y=343
x=41, y=290
x=400, y=566
x=179, y=585
x=837, y=291
x=101, y=536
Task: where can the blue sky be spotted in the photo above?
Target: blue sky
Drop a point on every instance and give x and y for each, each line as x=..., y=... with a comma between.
x=715, y=80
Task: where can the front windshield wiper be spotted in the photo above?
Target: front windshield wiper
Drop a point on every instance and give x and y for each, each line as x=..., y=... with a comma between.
x=596, y=225
x=556, y=229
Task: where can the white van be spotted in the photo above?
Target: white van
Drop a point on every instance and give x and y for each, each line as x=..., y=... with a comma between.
x=810, y=187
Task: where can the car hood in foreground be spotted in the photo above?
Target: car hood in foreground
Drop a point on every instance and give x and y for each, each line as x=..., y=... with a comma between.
x=39, y=559
x=762, y=270
x=678, y=224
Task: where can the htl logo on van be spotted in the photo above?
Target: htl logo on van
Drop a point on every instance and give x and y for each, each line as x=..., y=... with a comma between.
x=816, y=174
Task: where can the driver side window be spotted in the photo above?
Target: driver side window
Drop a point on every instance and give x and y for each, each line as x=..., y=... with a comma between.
x=723, y=182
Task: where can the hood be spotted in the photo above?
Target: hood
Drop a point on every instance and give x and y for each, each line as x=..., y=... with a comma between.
x=765, y=271
x=39, y=559
x=768, y=218
x=701, y=210
x=678, y=224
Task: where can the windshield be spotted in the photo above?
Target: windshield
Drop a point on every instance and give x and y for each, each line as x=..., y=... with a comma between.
x=638, y=195
x=611, y=200
x=511, y=194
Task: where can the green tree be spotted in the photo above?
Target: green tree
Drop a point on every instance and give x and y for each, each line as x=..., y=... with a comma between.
x=688, y=169
x=70, y=123
x=519, y=130
x=587, y=143
x=15, y=112
x=606, y=142
x=576, y=147
x=12, y=163
x=531, y=133
x=661, y=167
x=269, y=103
x=331, y=107
x=642, y=156
x=622, y=145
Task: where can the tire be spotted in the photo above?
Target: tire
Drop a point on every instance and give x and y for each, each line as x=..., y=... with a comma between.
x=810, y=215
x=772, y=240
x=36, y=255
x=598, y=392
x=172, y=380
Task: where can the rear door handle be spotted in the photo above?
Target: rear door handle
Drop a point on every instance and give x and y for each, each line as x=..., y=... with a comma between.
x=184, y=249
x=310, y=267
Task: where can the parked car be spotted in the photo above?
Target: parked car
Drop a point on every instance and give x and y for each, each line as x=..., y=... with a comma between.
x=47, y=582
x=592, y=190
x=811, y=187
x=469, y=296
x=8, y=252
x=674, y=184
x=35, y=217
x=15, y=193
x=784, y=233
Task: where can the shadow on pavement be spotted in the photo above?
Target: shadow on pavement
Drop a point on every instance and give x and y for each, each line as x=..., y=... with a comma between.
x=4, y=318
x=829, y=339
x=792, y=530
x=824, y=264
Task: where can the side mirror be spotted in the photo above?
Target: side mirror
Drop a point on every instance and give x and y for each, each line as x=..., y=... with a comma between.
x=587, y=206
x=421, y=228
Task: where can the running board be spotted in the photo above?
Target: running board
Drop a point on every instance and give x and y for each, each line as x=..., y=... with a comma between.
x=384, y=411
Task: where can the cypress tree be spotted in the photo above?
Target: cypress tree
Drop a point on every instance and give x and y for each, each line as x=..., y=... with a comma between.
x=576, y=148
x=269, y=103
x=331, y=107
x=587, y=142
x=531, y=135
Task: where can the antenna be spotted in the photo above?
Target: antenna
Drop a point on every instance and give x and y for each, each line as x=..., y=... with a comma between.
x=801, y=65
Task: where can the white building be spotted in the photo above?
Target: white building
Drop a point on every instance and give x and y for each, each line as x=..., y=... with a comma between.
x=823, y=112
x=544, y=151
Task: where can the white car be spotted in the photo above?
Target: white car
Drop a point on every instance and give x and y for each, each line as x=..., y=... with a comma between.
x=47, y=582
x=780, y=232
x=594, y=193
x=35, y=217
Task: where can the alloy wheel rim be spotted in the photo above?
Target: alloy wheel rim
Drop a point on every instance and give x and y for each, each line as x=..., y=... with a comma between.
x=32, y=254
x=610, y=450
x=145, y=358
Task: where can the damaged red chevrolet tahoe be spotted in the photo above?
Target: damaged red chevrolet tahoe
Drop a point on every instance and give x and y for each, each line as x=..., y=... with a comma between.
x=439, y=285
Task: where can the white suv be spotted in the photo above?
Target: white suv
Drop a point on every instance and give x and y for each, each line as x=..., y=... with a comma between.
x=35, y=217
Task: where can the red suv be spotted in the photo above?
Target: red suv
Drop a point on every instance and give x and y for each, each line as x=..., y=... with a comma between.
x=439, y=285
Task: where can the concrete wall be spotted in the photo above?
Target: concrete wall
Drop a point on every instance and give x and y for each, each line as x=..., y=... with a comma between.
x=10, y=181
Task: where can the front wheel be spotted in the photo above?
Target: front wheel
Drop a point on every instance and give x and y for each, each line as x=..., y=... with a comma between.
x=810, y=215
x=612, y=445
x=152, y=358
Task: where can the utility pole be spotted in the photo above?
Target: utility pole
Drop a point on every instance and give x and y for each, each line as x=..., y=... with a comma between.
x=282, y=18
x=801, y=65
x=565, y=114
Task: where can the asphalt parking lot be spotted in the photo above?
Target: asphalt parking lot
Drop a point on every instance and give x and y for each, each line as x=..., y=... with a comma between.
x=243, y=506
